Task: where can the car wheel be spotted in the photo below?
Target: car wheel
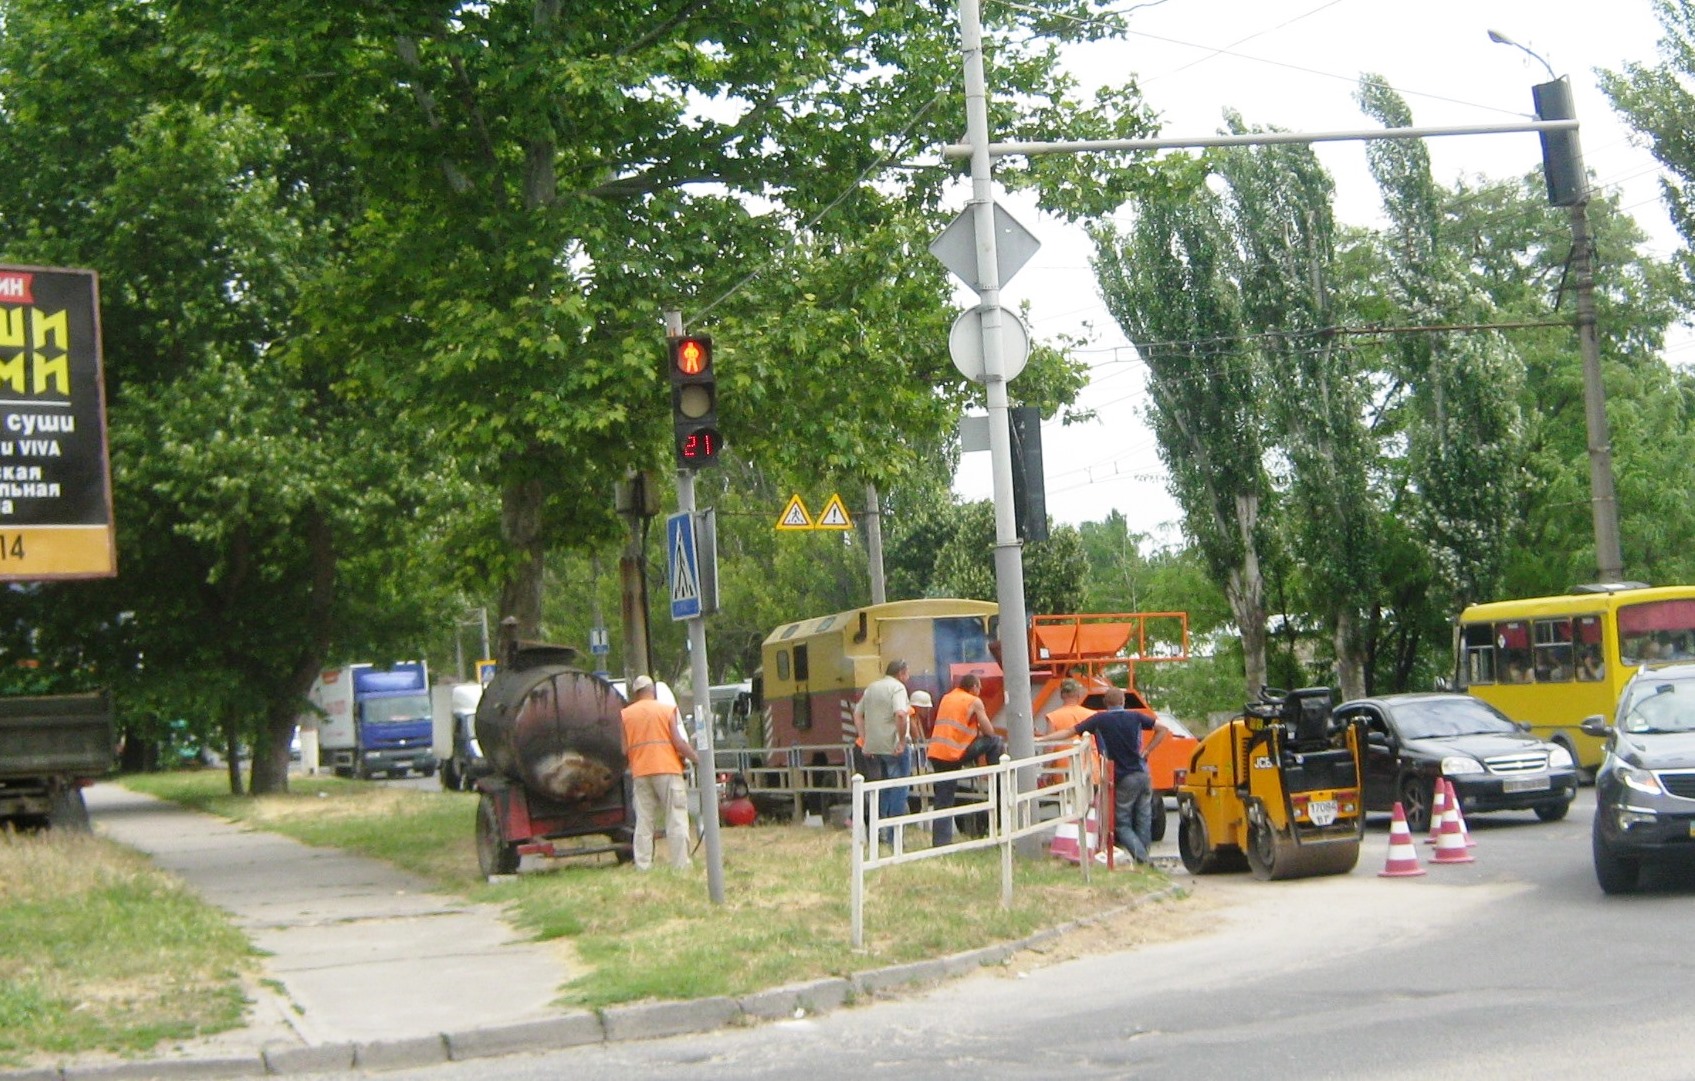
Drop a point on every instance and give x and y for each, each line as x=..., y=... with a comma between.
x=1615, y=873
x=1552, y=812
x=1416, y=797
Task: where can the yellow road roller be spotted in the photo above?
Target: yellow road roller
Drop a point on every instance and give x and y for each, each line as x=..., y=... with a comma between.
x=1277, y=791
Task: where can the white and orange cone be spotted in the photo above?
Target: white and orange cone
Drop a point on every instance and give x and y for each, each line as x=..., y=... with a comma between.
x=1438, y=808
x=1454, y=801
x=1450, y=843
x=1403, y=854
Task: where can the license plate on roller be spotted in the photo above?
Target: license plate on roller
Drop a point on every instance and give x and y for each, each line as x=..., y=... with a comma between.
x=1321, y=812
x=1524, y=784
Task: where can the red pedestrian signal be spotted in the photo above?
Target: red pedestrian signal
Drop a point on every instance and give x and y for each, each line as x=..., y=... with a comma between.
x=694, y=400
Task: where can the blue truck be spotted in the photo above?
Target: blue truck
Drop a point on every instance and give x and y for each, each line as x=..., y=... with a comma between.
x=373, y=720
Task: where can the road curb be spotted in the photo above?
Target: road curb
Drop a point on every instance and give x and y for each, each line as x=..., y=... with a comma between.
x=613, y=1024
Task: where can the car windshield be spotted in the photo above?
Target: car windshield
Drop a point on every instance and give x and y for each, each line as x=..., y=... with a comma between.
x=1434, y=718
x=1659, y=705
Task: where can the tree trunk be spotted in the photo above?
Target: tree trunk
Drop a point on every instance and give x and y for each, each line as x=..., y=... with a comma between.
x=520, y=526
x=1350, y=660
x=270, y=756
x=1245, y=590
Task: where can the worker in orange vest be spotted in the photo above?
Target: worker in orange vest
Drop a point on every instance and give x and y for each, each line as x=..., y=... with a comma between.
x=1070, y=712
x=656, y=750
x=962, y=735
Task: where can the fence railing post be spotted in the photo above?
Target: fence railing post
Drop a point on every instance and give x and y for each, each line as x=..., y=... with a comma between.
x=856, y=888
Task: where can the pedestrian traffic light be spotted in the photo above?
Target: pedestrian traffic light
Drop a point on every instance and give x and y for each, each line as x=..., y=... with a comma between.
x=694, y=400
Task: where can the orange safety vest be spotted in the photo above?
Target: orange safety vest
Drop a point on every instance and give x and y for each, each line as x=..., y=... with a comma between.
x=648, y=725
x=954, y=728
x=1068, y=717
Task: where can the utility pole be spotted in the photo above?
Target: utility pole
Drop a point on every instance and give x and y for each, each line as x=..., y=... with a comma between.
x=1009, y=561
x=1568, y=186
x=874, y=544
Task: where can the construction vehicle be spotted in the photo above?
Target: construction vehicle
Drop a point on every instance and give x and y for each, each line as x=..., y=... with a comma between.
x=1277, y=791
x=51, y=746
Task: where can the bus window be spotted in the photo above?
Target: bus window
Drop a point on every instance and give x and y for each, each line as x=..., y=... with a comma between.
x=1513, y=641
x=1591, y=667
x=1553, y=650
x=1656, y=631
x=1477, y=640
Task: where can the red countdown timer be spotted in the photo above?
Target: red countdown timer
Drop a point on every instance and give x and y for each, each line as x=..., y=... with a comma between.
x=699, y=447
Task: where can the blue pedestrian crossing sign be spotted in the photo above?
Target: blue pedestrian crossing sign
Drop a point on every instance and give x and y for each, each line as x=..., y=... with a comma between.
x=682, y=566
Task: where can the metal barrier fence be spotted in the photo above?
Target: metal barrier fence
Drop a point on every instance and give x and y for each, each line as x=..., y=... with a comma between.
x=1012, y=812
x=822, y=770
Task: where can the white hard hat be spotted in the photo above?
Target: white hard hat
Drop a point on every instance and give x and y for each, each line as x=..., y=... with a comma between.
x=920, y=699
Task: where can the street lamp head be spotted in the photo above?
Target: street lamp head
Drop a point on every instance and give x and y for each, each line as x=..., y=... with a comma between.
x=1501, y=39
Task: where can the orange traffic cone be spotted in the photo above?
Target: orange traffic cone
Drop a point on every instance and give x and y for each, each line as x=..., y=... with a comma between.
x=1438, y=808
x=1403, y=854
x=1450, y=844
x=1454, y=801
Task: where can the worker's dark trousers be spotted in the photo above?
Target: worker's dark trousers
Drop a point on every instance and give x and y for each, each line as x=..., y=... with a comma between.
x=983, y=748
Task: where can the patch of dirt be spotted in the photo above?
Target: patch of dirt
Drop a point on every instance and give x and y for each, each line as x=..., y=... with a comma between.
x=1127, y=928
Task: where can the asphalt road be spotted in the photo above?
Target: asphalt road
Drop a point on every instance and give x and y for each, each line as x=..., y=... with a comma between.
x=1515, y=965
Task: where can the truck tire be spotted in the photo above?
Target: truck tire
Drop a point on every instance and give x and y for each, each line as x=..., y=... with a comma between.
x=1158, y=819
x=449, y=777
x=68, y=811
x=495, y=855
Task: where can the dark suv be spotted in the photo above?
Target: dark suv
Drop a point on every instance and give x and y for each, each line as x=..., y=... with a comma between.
x=1645, y=788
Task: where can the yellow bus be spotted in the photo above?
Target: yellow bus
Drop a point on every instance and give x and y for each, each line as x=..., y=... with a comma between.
x=1552, y=661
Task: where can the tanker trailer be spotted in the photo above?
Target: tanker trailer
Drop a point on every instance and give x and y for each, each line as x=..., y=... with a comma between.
x=553, y=738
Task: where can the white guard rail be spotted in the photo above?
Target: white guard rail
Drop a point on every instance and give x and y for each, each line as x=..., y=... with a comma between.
x=1012, y=813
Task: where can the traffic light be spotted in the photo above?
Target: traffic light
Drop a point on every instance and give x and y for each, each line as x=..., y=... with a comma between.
x=694, y=400
x=1029, y=486
x=1562, y=155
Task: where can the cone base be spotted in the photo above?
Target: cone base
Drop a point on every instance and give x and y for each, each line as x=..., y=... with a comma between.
x=1400, y=872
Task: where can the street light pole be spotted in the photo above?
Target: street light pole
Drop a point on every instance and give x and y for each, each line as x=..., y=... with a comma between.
x=1568, y=186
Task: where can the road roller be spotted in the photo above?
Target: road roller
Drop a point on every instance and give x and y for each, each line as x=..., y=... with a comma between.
x=553, y=738
x=1276, y=791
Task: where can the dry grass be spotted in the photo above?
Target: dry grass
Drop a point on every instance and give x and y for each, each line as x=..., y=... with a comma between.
x=101, y=952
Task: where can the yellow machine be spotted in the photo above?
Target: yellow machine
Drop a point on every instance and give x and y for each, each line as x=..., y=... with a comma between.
x=1277, y=791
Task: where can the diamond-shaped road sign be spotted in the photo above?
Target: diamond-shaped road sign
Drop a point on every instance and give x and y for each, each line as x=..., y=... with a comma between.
x=956, y=247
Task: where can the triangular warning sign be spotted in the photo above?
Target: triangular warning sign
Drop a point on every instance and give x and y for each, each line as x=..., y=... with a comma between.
x=835, y=515
x=794, y=515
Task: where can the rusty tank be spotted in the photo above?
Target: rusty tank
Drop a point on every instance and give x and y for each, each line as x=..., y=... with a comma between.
x=552, y=735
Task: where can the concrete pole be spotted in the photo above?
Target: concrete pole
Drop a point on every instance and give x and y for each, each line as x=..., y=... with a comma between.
x=874, y=543
x=706, y=773
x=1603, y=504
x=1009, y=563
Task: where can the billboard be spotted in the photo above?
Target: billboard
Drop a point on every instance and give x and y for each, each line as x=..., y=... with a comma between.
x=55, y=480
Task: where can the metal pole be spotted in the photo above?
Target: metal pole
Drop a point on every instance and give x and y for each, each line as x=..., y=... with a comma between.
x=874, y=543
x=1009, y=564
x=1603, y=504
x=706, y=774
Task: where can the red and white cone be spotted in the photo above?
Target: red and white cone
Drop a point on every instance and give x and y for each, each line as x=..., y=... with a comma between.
x=1403, y=854
x=1450, y=843
x=1454, y=801
x=1438, y=808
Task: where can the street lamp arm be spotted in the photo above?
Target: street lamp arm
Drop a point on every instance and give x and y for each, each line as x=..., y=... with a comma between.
x=1501, y=39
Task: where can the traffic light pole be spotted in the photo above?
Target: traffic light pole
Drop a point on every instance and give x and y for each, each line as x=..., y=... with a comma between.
x=1009, y=563
x=706, y=772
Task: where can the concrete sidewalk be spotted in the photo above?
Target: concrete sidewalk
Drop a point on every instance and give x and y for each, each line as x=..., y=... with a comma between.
x=366, y=969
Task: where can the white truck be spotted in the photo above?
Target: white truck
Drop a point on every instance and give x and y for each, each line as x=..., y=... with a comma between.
x=453, y=712
x=374, y=720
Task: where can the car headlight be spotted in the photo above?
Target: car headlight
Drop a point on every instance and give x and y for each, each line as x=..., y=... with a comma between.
x=1640, y=779
x=1454, y=765
x=1559, y=758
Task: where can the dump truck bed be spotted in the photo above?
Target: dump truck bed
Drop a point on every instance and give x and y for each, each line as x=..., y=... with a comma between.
x=56, y=735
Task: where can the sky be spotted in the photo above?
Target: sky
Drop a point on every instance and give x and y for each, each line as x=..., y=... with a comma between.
x=1295, y=64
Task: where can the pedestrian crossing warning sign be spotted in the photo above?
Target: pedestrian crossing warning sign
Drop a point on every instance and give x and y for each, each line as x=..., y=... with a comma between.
x=835, y=515
x=794, y=515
